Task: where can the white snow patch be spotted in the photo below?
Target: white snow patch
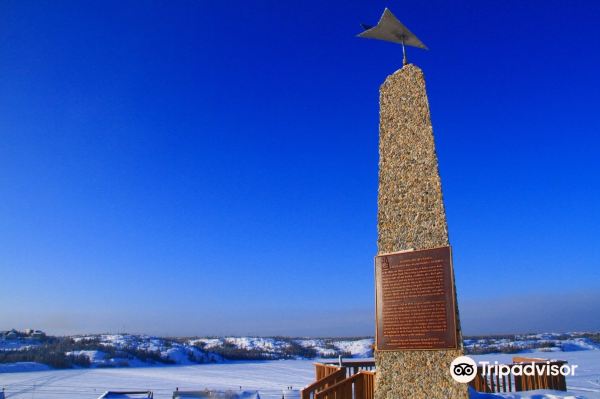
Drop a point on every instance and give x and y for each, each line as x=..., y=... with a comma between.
x=358, y=348
x=538, y=394
x=94, y=356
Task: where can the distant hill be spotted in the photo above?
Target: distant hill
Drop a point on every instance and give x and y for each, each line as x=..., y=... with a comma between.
x=128, y=350
x=124, y=350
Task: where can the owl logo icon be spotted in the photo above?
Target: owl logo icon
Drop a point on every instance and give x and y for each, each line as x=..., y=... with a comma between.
x=463, y=369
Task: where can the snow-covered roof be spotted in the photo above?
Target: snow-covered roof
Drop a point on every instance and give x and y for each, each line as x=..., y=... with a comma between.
x=127, y=395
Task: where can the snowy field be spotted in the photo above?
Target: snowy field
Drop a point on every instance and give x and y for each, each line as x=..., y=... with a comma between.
x=270, y=378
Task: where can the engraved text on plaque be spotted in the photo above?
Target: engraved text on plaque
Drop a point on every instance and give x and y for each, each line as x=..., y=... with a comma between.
x=415, y=300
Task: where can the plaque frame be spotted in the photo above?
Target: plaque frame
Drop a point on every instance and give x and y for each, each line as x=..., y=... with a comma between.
x=452, y=322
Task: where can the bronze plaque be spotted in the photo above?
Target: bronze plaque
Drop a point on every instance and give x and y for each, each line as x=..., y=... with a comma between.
x=415, y=300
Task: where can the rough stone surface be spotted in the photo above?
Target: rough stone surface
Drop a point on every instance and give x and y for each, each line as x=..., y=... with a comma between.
x=411, y=215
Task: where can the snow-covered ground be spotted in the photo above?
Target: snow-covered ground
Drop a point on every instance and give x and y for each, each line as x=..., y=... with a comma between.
x=270, y=378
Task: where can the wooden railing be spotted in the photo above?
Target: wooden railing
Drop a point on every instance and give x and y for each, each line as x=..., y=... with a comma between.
x=359, y=386
x=355, y=366
x=322, y=370
x=326, y=376
x=537, y=381
x=492, y=382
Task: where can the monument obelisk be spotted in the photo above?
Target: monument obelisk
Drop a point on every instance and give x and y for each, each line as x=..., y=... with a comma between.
x=418, y=329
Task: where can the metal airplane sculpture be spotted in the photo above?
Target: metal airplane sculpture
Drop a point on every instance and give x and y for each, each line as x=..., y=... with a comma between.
x=390, y=29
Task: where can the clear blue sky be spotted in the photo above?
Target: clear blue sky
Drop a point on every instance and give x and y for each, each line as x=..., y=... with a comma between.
x=198, y=167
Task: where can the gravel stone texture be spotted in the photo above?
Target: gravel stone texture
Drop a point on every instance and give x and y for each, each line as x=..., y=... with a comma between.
x=411, y=215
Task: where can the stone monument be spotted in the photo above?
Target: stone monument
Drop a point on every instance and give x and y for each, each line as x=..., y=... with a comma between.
x=412, y=362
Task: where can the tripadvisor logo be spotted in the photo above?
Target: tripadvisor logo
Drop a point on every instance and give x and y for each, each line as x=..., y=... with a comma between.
x=464, y=369
x=533, y=368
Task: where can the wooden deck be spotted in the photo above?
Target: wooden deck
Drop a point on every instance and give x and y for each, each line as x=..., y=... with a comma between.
x=355, y=379
x=359, y=386
x=326, y=375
